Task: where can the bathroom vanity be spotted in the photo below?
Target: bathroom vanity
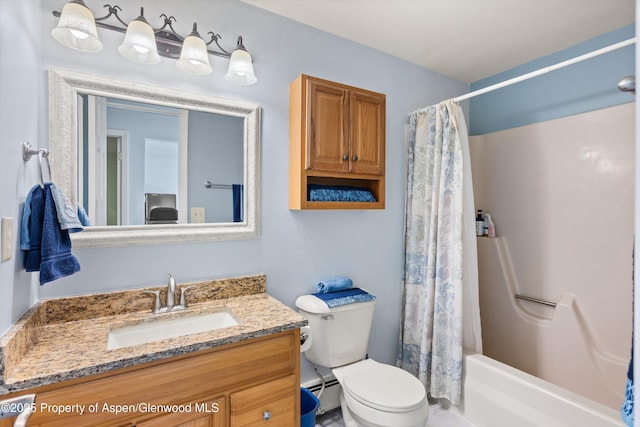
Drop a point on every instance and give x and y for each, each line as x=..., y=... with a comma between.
x=242, y=375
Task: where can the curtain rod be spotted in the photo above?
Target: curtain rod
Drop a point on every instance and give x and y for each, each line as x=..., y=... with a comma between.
x=546, y=70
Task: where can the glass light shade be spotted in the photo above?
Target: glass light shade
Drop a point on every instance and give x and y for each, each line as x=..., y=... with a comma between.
x=240, y=69
x=194, y=58
x=139, y=43
x=77, y=28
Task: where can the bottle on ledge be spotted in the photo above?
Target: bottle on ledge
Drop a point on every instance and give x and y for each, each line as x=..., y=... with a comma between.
x=479, y=223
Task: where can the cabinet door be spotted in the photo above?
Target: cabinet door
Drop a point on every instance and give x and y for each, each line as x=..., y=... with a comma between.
x=210, y=413
x=327, y=124
x=271, y=404
x=367, y=133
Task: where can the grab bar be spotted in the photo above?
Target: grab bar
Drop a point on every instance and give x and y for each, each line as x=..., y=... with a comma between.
x=536, y=300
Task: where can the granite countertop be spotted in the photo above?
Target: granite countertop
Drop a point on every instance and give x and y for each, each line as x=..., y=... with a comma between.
x=66, y=338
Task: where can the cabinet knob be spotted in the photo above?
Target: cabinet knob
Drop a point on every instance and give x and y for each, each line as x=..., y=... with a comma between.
x=345, y=157
x=355, y=158
x=266, y=415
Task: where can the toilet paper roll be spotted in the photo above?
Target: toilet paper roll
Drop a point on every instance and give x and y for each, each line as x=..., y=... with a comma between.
x=305, y=338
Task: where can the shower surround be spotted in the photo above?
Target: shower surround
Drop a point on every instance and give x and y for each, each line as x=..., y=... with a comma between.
x=561, y=195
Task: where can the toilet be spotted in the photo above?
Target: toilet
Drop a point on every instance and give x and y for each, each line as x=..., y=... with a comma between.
x=373, y=394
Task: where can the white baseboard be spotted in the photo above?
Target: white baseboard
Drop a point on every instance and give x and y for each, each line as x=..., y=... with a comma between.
x=330, y=397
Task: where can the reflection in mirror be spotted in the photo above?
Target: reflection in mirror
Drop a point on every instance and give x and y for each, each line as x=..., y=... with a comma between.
x=137, y=151
x=153, y=165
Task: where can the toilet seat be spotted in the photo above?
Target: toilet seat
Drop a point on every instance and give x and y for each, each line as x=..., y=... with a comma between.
x=382, y=387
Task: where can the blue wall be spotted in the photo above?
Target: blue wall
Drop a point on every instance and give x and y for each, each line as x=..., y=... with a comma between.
x=578, y=88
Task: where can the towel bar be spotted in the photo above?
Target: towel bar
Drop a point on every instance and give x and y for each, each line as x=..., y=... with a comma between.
x=209, y=184
x=536, y=300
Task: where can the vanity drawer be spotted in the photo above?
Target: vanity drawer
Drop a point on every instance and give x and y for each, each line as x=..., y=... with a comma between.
x=269, y=404
x=178, y=380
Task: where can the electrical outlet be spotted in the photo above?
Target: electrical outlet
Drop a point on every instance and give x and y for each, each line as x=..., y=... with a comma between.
x=6, y=236
x=197, y=215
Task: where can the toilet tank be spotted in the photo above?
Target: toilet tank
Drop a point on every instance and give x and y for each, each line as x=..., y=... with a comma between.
x=340, y=335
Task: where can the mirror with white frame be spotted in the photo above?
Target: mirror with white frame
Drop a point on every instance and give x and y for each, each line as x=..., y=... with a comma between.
x=78, y=131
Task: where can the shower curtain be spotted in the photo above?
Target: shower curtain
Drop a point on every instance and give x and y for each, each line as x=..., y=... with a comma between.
x=440, y=280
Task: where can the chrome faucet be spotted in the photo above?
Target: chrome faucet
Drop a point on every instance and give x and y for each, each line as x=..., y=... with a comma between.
x=171, y=293
x=171, y=298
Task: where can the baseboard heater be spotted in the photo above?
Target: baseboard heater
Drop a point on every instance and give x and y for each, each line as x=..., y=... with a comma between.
x=330, y=397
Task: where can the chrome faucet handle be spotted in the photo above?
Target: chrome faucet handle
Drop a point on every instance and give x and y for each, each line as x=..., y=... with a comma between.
x=171, y=292
x=183, y=295
x=157, y=306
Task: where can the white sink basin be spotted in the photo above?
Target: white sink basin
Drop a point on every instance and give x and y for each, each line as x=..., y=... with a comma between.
x=168, y=327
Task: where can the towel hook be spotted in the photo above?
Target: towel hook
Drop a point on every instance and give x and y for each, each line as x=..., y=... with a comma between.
x=28, y=151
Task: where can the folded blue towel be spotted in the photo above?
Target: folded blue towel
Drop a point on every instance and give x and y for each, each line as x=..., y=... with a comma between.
x=334, y=284
x=339, y=193
x=348, y=296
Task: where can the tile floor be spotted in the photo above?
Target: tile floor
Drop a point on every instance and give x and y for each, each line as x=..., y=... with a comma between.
x=438, y=417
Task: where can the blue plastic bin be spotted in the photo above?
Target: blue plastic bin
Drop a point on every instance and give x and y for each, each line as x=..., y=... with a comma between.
x=308, y=405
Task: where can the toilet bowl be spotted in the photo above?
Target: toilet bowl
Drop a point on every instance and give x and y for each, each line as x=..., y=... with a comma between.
x=378, y=395
x=373, y=394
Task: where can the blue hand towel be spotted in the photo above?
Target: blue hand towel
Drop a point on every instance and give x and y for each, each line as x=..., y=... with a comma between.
x=57, y=260
x=348, y=296
x=66, y=218
x=67, y=213
x=334, y=284
x=83, y=217
x=34, y=222
x=49, y=245
x=626, y=411
x=238, y=204
x=24, y=222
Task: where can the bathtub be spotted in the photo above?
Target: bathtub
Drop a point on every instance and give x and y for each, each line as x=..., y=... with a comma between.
x=497, y=395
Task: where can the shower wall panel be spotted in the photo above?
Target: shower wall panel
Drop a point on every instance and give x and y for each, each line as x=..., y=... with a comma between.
x=561, y=195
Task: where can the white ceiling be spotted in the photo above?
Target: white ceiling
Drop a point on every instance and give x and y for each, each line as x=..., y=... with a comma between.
x=463, y=39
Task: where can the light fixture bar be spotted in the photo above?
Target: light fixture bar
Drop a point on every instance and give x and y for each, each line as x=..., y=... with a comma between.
x=144, y=44
x=169, y=42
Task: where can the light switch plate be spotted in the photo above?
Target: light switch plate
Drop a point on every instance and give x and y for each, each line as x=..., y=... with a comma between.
x=197, y=215
x=6, y=237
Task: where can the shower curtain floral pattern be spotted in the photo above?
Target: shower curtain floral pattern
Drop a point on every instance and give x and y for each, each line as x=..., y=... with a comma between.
x=431, y=336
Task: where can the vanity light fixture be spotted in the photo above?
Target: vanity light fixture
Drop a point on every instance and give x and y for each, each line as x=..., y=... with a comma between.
x=144, y=44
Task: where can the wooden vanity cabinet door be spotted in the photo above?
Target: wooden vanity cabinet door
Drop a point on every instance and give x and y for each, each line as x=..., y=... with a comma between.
x=269, y=404
x=204, y=417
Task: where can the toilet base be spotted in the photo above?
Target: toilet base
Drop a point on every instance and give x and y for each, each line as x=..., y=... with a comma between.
x=346, y=414
x=351, y=419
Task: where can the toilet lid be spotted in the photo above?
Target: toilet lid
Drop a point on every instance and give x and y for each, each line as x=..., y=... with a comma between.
x=383, y=387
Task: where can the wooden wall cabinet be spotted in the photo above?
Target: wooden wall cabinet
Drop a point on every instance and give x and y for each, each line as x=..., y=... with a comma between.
x=250, y=383
x=336, y=137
